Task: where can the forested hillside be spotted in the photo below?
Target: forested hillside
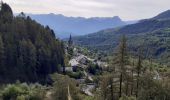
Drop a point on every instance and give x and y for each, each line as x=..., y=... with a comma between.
x=28, y=50
x=150, y=33
x=125, y=63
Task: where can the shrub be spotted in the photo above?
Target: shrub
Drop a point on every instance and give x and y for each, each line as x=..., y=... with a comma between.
x=61, y=85
x=75, y=75
x=22, y=92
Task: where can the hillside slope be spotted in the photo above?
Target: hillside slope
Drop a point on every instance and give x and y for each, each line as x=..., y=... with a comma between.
x=163, y=16
x=29, y=52
x=153, y=31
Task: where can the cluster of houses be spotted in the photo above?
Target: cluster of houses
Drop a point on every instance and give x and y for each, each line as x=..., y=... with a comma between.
x=81, y=61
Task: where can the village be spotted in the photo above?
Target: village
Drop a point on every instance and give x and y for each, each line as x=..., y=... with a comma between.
x=80, y=61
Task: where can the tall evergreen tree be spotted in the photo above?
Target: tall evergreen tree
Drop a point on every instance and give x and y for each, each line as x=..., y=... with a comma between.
x=27, y=60
x=138, y=68
x=122, y=60
x=2, y=56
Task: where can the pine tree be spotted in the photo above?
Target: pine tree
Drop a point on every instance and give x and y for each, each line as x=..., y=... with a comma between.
x=2, y=56
x=30, y=51
x=123, y=59
x=6, y=14
x=111, y=88
x=132, y=77
x=27, y=60
x=139, y=66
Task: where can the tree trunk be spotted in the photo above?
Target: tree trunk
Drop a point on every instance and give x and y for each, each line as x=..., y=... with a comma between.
x=132, y=84
x=127, y=87
x=137, y=86
x=120, y=87
x=111, y=88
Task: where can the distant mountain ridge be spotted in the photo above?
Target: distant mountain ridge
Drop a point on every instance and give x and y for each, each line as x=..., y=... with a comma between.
x=163, y=16
x=153, y=33
x=64, y=26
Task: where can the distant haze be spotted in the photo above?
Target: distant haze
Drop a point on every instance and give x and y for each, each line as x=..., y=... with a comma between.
x=126, y=9
x=64, y=26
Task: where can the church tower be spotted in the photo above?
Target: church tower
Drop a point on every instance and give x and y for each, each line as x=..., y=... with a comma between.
x=70, y=41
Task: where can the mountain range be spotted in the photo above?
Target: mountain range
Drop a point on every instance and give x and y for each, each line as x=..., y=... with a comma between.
x=153, y=34
x=63, y=26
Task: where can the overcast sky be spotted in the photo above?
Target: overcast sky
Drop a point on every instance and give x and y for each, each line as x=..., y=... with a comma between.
x=126, y=9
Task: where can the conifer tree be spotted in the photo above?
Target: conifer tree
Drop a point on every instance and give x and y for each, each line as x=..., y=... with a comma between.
x=138, y=68
x=2, y=56
x=122, y=60
x=28, y=51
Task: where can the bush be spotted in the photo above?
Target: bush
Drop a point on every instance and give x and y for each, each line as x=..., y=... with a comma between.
x=22, y=92
x=61, y=85
x=154, y=89
x=94, y=69
x=75, y=75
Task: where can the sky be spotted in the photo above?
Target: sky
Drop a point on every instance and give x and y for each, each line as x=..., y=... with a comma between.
x=125, y=9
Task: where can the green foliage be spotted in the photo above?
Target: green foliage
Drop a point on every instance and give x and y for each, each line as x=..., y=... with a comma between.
x=75, y=75
x=61, y=85
x=151, y=34
x=28, y=51
x=153, y=89
x=127, y=98
x=6, y=13
x=23, y=92
x=107, y=89
x=2, y=56
x=70, y=52
x=94, y=69
x=89, y=98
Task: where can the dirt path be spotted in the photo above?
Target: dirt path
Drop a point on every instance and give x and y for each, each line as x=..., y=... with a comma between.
x=48, y=95
x=69, y=95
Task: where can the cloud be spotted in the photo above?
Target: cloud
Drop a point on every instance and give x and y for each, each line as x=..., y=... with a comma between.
x=126, y=9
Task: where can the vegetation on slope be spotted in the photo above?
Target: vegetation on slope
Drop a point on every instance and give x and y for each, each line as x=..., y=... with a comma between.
x=132, y=78
x=152, y=33
x=28, y=50
x=29, y=53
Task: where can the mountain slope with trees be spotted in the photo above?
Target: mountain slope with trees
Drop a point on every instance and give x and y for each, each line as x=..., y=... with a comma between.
x=28, y=50
x=163, y=16
x=152, y=33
